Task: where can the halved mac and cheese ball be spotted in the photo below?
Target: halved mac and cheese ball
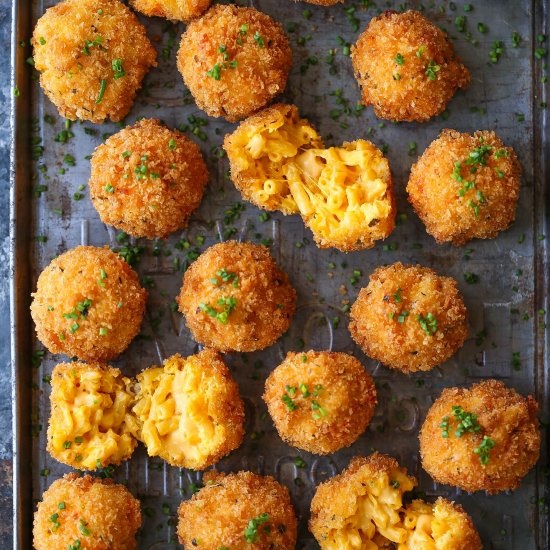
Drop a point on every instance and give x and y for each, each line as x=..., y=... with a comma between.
x=88, y=304
x=147, y=180
x=86, y=513
x=320, y=401
x=240, y=511
x=363, y=508
x=344, y=194
x=189, y=410
x=465, y=186
x=259, y=151
x=91, y=425
x=236, y=298
x=176, y=10
x=482, y=438
x=90, y=69
x=234, y=61
x=409, y=318
x=406, y=67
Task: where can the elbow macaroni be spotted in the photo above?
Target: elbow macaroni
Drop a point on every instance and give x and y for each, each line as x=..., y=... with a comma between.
x=90, y=424
x=344, y=194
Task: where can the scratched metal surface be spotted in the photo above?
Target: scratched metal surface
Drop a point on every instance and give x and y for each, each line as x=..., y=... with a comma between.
x=504, y=302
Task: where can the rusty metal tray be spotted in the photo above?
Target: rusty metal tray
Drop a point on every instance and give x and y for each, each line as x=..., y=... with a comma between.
x=508, y=302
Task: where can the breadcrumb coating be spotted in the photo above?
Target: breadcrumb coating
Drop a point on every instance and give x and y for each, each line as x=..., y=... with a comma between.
x=323, y=2
x=235, y=298
x=234, y=61
x=465, y=186
x=175, y=10
x=88, y=513
x=507, y=418
x=242, y=511
x=406, y=67
x=147, y=180
x=363, y=508
x=409, y=318
x=88, y=304
x=320, y=401
x=90, y=69
x=90, y=424
x=190, y=411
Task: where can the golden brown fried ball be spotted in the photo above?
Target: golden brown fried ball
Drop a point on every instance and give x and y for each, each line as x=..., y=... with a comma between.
x=406, y=67
x=344, y=194
x=242, y=511
x=88, y=304
x=176, y=10
x=90, y=425
x=482, y=438
x=92, y=56
x=465, y=186
x=88, y=513
x=363, y=508
x=235, y=298
x=409, y=318
x=147, y=180
x=320, y=401
x=190, y=411
x=234, y=61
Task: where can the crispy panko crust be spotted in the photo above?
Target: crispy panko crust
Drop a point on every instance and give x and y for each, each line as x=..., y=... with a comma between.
x=66, y=322
x=105, y=510
x=245, y=171
x=442, y=194
x=205, y=404
x=505, y=416
x=388, y=316
x=175, y=10
x=263, y=299
x=323, y=2
x=147, y=180
x=403, y=90
x=355, y=507
x=253, y=65
x=90, y=424
x=77, y=45
x=220, y=513
x=336, y=382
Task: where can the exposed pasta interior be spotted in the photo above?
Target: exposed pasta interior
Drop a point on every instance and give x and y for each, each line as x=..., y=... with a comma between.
x=344, y=194
x=189, y=410
x=260, y=149
x=90, y=424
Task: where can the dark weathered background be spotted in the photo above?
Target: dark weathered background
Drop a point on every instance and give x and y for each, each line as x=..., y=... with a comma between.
x=5, y=402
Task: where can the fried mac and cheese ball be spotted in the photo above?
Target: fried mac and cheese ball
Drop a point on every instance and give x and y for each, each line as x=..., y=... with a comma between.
x=409, y=318
x=363, y=508
x=235, y=298
x=86, y=513
x=234, y=61
x=147, y=180
x=482, y=438
x=344, y=194
x=92, y=56
x=175, y=10
x=465, y=186
x=242, y=511
x=189, y=410
x=88, y=304
x=91, y=425
x=406, y=67
x=320, y=401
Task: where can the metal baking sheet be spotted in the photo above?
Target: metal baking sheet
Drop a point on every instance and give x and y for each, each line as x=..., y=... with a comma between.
x=506, y=304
